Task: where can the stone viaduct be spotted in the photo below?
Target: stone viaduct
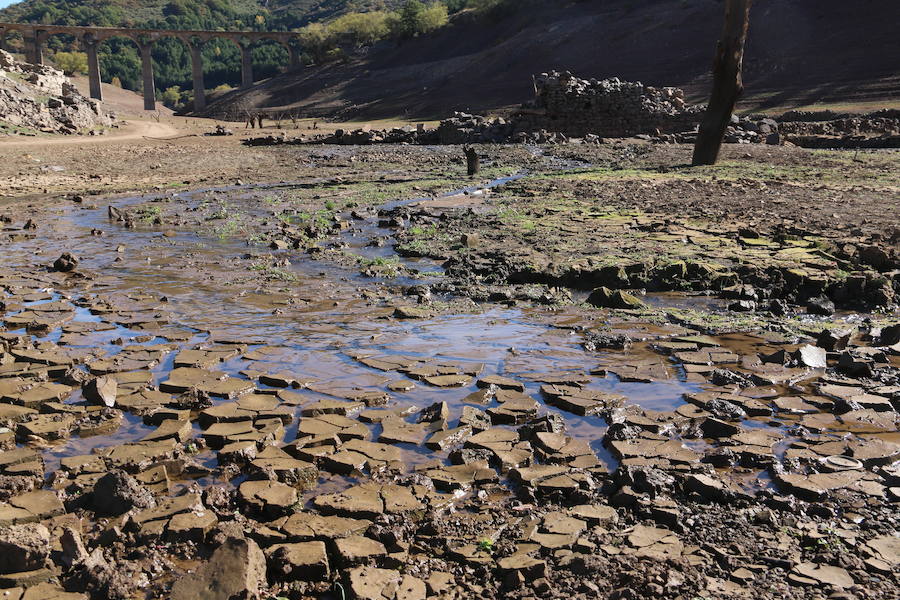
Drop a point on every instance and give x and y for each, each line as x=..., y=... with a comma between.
x=34, y=37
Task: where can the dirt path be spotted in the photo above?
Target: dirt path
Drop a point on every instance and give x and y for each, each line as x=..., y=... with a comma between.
x=132, y=130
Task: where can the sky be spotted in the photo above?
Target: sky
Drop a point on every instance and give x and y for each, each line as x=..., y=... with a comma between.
x=5, y=3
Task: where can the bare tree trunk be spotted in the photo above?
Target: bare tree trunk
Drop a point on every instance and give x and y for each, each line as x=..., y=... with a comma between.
x=727, y=82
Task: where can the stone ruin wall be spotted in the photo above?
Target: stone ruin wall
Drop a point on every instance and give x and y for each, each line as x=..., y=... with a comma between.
x=608, y=108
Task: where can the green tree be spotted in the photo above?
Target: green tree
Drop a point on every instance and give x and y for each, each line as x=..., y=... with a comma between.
x=316, y=41
x=433, y=17
x=416, y=18
x=409, y=17
x=360, y=29
x=71, y=63
x=171, y=97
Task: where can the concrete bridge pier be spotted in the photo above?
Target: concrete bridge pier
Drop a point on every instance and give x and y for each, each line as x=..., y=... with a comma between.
x=197, y=72
x=146, y=49
x=93, y=61
x=246, y=67
x=34, y=46
x=294, y=53
x=3, y=38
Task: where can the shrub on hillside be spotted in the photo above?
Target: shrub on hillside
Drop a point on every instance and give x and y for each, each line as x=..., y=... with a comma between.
x=359, y=29
x=71, y=63
x=316, y=41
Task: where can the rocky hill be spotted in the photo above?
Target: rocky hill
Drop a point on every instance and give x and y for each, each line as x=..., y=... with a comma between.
x=42, y=99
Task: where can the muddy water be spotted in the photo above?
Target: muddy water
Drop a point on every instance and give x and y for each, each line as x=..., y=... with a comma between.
x=308, y=331
x=312, y=328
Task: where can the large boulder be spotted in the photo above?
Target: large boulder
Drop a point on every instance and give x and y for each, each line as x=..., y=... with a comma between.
x=603, y=297
x=236, y=571
x=117, y=492
x=24, y=548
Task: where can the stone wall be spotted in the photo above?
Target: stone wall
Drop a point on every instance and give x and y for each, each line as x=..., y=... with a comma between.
x=608, y=108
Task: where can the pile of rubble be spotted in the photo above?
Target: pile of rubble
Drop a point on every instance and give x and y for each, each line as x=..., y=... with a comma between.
x=608, y=107
x=461, y=128
x=826, y=129
x=367, y=135
x=751, y=129
x=41, y=98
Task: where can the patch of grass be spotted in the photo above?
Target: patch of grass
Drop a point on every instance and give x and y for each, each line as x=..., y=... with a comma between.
x=16, y=130
x=256, y=239
x=386, y=266
x=228, y=229
x=149, y=214
x=830, y=167
x=514, y=217
x=275, y=273
x=419, y=231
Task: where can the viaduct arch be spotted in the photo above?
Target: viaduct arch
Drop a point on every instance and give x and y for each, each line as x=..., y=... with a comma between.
x=90, y=38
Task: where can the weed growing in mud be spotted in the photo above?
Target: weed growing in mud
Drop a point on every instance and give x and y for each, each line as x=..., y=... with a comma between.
x=486, y=545
x=320, y=219
x=418, y=231
x=274, y=273
x=222, y=213
x=228, y=229
x=386, y=266
x=414, y=246
x=149, y=214
x=512, y=216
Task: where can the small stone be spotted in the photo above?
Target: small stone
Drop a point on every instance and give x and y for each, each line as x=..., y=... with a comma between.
x=117, y=492
x=812, y=356
x=603, y=297
x=307, y=561
x=820, y=306
x=356, y=549
x=101, y=390
x=66, y=263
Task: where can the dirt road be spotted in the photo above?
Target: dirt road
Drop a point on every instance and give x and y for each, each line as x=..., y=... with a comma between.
x=132, y=130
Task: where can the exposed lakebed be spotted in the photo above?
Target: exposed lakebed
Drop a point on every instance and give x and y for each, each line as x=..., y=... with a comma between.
x=232, y=379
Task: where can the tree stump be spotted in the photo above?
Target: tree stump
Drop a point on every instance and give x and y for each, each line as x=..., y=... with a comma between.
x=473, y=163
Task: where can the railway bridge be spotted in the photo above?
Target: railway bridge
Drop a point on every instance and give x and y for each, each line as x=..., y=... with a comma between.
x=35, y=36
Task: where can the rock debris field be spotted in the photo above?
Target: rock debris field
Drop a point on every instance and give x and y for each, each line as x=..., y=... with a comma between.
x=598, y=379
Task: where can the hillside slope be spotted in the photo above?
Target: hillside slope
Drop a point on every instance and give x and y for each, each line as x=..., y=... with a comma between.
x=799, y=52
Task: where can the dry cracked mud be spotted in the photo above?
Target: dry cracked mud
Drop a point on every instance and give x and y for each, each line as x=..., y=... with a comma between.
x=383, y=380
